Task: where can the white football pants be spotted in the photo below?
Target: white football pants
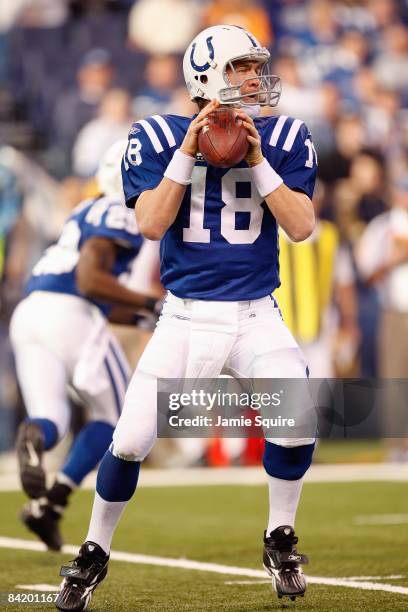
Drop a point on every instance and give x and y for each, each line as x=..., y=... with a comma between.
x=199, y=339
x=61, y=342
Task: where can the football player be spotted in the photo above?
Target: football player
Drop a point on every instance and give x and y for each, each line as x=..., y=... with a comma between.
x=219, y=264
x=61, y=342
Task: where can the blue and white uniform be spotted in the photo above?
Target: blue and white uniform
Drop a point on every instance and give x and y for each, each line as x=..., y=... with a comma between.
x=220, y=265
x=101, y=217
x=61, y=337
x=223, y=244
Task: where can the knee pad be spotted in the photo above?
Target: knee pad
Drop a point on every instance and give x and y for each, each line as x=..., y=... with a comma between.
x=133, y=450
x=287, y=463
x=136, y=431
x=135, y=444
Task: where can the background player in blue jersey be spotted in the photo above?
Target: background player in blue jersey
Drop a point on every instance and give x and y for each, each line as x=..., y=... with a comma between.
x=61, y=342
x=219, y=264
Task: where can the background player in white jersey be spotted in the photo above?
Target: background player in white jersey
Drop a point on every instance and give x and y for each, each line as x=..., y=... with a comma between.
x=219, y=264
x=61, y=342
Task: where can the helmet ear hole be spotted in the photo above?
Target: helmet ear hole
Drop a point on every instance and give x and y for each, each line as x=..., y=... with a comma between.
x=203, y=79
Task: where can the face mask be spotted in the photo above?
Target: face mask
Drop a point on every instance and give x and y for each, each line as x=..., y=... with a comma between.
x=253, y=110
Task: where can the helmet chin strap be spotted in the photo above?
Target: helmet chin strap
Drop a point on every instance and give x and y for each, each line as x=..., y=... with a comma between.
x=253, y=110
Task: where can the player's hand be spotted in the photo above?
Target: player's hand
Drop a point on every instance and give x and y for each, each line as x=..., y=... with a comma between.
x=189, y=145
x=254, y=155
x=147, y=322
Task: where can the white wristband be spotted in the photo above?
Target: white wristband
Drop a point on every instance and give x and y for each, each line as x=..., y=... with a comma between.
x=266, y=179
x=180, y=168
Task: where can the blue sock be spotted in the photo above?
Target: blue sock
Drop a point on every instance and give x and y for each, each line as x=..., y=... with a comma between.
x=87, y=450
x=49, y=430
x=288, y=463
x=117, y=478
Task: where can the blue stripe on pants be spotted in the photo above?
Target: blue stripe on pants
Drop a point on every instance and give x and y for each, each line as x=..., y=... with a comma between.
x=120, y=364
x=114, y=387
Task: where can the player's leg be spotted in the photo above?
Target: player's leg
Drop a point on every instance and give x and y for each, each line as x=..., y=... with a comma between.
x=46, y=357
x=167, y=355
x=42, y=378
x=103, y=411
x=265, y=349
x=86, y=451
x=164, y=356
x=286, y=460
x=135, y=434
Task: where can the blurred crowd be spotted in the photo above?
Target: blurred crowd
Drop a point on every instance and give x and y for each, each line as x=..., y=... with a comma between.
x=74, y=75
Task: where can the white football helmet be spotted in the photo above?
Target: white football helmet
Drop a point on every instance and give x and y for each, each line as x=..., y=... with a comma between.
x=212, y=51
x=109, y=175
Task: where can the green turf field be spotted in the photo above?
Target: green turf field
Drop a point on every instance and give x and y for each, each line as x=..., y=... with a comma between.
x=223, y=524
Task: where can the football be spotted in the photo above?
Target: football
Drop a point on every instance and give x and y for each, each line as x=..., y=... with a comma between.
x=223, y=142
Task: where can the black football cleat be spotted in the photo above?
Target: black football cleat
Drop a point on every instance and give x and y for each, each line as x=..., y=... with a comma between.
x=282, y=562
x=42, y=520
x=82, y=577
x=30, y=450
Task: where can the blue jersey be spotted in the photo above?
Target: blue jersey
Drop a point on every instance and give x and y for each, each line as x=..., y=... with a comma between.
x=223, y=244
x=102, y=217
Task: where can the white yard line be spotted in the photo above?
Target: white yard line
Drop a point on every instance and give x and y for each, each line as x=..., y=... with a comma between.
x=216, y=568
x=251, y=582
x=381, y=519
x=395, y=472
x=348, y=578
x=38, y=587
x=392, y=577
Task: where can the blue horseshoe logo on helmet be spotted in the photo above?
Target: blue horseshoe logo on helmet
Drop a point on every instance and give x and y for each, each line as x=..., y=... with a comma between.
x=205, y=66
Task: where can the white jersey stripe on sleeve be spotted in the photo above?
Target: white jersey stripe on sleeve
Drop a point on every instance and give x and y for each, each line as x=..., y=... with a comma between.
x=277, y=130
x=290, y=138
x=154, y=139
x=166, y=129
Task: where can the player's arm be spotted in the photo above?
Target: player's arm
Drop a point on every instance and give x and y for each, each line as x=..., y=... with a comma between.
x=123, y=315
x=292, y=209
x=95, y=280
x=157, y=208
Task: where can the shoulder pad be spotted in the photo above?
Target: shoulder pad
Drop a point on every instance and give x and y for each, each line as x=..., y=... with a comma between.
x=284, y=131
